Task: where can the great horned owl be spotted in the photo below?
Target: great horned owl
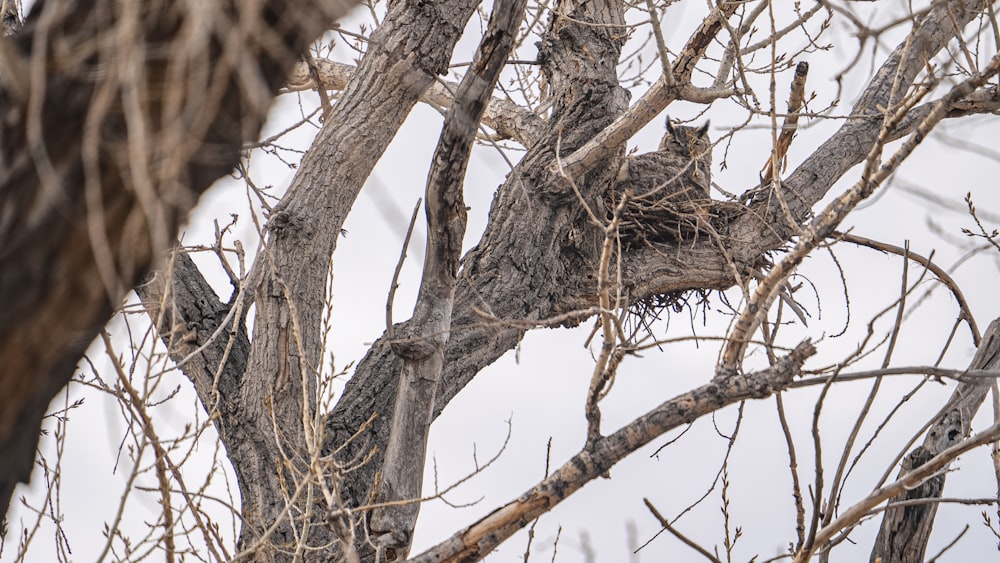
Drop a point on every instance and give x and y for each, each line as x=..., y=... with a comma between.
x=680, y=170
x=691, y=143
x=669, y=186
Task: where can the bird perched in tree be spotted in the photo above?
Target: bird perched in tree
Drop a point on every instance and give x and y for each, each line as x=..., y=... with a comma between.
x=689, y=143
x=680, y=169
x=669, y=186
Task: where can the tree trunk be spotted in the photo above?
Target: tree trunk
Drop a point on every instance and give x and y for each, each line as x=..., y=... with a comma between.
x=525, y=280
x=537, y=259
x=269, y=427
x=906, y=530
x=113, y=126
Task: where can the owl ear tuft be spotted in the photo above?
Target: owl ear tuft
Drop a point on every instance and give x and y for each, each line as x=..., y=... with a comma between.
x=670, y=128
x=703, y=130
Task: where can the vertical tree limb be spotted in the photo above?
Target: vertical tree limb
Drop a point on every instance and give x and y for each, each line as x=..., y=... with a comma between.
x=908, y=480
x=526, y=239
x=273, y=423
x=905, y=530
x=424, y=337
x=795, y=101
x=659, y=95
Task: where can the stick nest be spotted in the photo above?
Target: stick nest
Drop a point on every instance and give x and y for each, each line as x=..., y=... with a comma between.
x=652, y=220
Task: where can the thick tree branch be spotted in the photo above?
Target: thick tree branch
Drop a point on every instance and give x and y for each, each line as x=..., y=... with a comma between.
x=483, y=536
x=656, y=99
x=113, y=126
x=532, y=212
x=983, y=100
x=796, y=98
x=188, y=317
x=275, y=411
x=849, y=145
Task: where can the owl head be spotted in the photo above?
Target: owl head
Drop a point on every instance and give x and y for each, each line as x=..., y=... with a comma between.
x=690, y=142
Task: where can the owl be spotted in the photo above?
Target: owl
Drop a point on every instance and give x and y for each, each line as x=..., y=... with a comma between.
x=680, y=170
x=670, y=188
x=688, y=142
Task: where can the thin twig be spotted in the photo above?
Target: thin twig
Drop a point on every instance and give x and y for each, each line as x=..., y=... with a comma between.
x=687, y=541
x=399, y=268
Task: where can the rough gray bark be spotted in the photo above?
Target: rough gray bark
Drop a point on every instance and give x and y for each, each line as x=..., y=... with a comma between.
x=538, y=255
x=381, y=76
x=421, y=347
x=905, y=530
x=10, y=16
x=537, y=209
x=410, y=47
x=81, y=223
x=555, y=276
x=206, y=337
x=536, y=260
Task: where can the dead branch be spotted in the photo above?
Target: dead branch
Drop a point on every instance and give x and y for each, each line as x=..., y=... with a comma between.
x=788, y=128
x=654, y=101
x=480, y=538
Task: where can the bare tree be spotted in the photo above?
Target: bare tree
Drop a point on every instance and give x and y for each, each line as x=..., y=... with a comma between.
x=102, y=161
x=580, y=231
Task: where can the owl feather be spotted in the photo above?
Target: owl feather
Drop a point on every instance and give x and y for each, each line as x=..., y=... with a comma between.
x=669, y=186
